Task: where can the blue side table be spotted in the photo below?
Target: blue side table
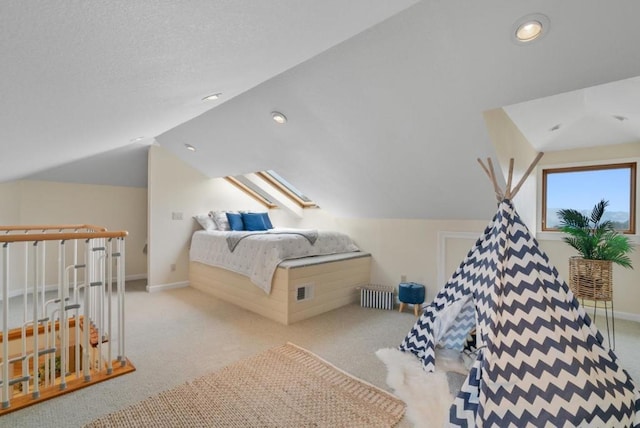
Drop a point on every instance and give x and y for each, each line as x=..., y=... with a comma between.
x=411, y=293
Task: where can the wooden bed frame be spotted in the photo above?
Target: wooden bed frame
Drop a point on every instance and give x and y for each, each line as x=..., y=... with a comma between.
x=327, y=282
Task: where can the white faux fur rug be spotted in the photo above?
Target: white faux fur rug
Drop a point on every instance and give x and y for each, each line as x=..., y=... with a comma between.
x=426, y=394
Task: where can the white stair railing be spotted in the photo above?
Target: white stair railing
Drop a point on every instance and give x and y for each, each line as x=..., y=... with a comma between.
x=63, y=332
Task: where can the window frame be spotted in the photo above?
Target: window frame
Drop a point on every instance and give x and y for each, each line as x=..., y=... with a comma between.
x=631, y=165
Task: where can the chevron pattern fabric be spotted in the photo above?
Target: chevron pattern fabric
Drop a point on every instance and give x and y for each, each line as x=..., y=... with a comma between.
x=541, y=361
x=456, y=336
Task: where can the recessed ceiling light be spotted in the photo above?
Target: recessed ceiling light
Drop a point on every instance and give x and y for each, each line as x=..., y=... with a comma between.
x=529, y=31
x=620, y=118
x=529, y=28
x=190, y=147
x=555, y=127
x=212, y=97
x=278, y=117
x=136, y=140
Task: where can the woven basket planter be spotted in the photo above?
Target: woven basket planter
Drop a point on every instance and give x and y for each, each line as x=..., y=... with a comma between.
x=591, y=279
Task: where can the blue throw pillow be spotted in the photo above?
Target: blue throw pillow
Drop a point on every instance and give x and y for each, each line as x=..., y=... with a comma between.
x=253, y=221
x=267, y=220
x=235, y=221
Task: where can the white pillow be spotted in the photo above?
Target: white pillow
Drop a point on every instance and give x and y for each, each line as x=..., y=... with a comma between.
x=220, y=219
x=205, y=221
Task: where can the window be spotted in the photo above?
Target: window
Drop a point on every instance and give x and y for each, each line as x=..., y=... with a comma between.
x=276, y=189
x=582, y=187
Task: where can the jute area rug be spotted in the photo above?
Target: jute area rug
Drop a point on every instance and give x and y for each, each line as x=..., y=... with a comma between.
x=286, y=386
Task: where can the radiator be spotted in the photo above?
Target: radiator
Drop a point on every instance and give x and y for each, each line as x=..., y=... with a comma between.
x=377, y=296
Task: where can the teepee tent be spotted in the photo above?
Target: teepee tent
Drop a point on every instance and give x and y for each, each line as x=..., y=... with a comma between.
x=540, y=361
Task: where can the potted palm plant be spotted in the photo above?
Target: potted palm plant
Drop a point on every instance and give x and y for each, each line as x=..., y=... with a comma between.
x=599, y=245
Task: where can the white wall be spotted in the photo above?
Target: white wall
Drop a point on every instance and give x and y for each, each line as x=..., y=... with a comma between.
x=10, y=205
x=509, y=143
x=175, y=187
x=114, y=207
x=408, y=248
x=312, y=218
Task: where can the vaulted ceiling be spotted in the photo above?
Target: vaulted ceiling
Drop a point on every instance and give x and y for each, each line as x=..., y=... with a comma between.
x=384, y=99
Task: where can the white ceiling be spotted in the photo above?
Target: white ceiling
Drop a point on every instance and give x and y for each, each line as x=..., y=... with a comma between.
x=597, y=116
x=385, y=115
x=83, y=77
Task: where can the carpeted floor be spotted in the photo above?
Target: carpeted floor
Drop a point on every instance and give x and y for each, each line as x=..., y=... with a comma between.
x=179, y=335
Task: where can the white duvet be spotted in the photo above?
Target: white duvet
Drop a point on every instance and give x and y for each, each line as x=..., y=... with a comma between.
x=258, y=256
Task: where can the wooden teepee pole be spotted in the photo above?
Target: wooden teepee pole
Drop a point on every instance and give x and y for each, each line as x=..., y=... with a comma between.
x=512, y=193
x=492, y=176
x=510, y=177
x=508, y=194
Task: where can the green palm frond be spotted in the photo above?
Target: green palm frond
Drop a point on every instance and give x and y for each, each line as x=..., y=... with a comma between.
x=595, y=239
x=598, y=211
x=605, y=225
x=616, y=249
x=573, y=218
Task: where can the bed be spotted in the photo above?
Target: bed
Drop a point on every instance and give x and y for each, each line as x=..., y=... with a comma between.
x=283, y=274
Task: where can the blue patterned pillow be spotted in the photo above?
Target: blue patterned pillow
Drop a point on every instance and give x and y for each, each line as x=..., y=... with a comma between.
x=235, y=221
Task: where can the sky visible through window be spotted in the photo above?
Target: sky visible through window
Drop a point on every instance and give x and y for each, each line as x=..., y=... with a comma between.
x=581, y=190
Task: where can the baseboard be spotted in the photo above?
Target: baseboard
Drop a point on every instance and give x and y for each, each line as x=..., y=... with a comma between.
x=628, y=316
x=53, y=287
x=19, y=291
x=162, y=287
x=618, y=315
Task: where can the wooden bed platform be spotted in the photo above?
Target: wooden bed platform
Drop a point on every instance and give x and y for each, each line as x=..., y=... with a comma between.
x=324, y=283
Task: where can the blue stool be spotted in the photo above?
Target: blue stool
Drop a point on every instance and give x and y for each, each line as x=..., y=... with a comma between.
x=411, y=293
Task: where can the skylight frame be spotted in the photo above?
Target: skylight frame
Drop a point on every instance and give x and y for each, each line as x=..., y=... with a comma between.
x=286, y=188
x=255, y=195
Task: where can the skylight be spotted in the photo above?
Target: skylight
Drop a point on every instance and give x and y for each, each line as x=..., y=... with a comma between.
x=272, y=183
x=286, y=188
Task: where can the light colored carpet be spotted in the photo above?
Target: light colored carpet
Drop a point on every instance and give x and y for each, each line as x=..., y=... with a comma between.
x=178, y=335
x=286, y=386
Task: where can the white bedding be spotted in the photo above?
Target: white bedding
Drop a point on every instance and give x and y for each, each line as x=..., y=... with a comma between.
x=258, y=256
